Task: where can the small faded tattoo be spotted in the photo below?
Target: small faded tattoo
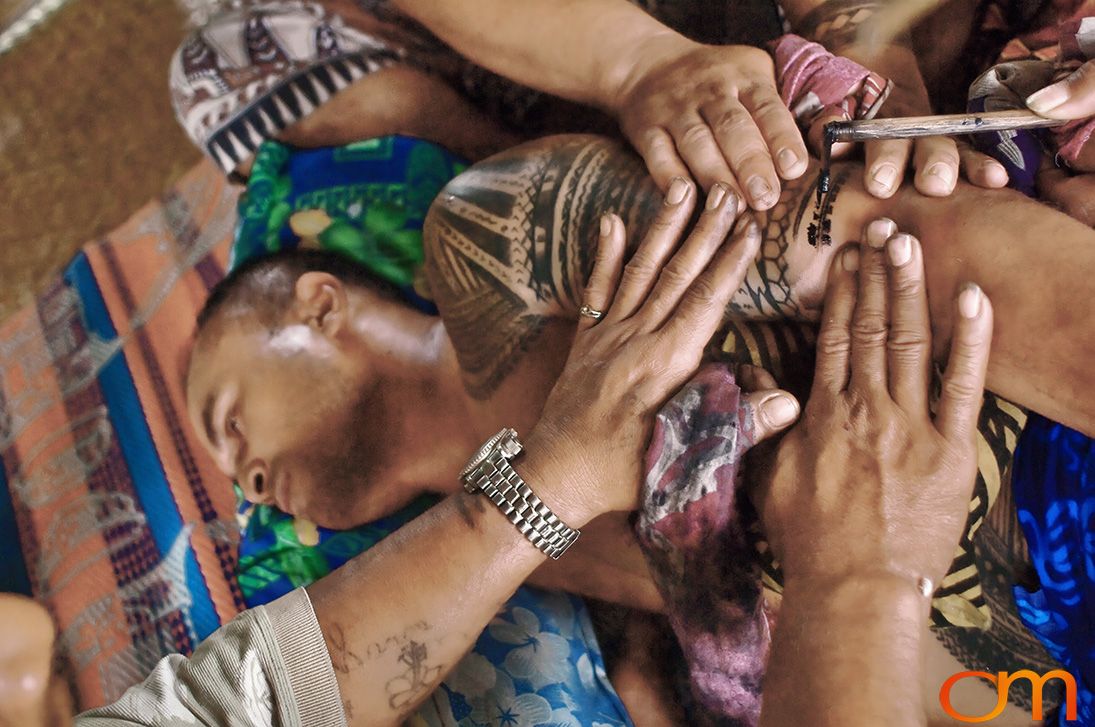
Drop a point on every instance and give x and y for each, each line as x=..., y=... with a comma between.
x=418, y=676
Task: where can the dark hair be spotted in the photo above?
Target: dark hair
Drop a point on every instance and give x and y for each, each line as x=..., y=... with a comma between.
x=264, y=286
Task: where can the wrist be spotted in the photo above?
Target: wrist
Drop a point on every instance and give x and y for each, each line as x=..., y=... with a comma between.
x=659, y=46
x=907, y=598
x=553, y=471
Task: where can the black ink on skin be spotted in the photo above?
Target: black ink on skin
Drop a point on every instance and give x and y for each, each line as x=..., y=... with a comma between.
x=821, y=227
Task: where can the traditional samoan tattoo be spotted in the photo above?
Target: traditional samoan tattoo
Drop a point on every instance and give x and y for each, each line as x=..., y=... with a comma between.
x=418, y=678
x=509, y=244
x=835, y=24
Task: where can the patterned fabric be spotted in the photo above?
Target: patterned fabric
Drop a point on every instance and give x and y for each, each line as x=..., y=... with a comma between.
x=366, y=200
x=814, y=83
x=692, y=529
x=1054, y=485
x=1028, y=63
x=126, y=528
x=259, y=66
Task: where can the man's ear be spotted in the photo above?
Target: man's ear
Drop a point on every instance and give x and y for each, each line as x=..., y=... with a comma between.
x=321, y=302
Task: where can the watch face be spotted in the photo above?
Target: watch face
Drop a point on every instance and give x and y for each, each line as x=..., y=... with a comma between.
x=506, y=439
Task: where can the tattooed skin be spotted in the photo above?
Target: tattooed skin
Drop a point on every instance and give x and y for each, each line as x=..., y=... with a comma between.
x=510, y=243
x=418, y=678
x=835, y=24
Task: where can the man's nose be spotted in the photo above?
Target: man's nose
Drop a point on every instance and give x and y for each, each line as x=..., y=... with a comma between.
x=256, y=484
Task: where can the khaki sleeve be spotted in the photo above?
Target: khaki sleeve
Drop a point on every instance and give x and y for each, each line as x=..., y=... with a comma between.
x=268, y=666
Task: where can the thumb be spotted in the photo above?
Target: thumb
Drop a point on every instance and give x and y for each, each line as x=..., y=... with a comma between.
x=773, y=411
x=1072, y=98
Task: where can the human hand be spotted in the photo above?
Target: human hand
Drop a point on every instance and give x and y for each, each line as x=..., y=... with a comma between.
x=712, y=113
x=870, y=483
x=660, y=310
x=1071, y=98
x=30, y=696
x=936, y=159
x=1073, y=194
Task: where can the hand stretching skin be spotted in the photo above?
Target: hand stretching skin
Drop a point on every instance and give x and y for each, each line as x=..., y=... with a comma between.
x=582, y=460
x=710, y=112
x=936, y=159
x=868, y=495
x=1071, y=98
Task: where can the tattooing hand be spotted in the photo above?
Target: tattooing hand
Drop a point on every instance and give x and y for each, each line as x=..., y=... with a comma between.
x=936, y=159
x=870, y=485
x=1070, y=98
x=659, y=312
x=713, y=113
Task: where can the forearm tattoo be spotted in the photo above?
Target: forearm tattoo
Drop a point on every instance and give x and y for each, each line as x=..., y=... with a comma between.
x=418, y=679
x=835, y=24
x=510, y=243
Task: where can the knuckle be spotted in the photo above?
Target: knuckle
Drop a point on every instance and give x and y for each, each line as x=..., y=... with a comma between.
x=636, y=271
x=731, y=123
x=833, y=342
x=961, y=388
x=703, y=292
x=870, y=329
x=676, y=275
x=908, y=346
x=695, y=135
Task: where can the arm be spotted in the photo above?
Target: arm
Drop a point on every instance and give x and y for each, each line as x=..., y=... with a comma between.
x=711, y=112
x=862, y=546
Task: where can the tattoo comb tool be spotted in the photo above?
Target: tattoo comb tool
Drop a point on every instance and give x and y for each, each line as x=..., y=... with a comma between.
x=910, y=127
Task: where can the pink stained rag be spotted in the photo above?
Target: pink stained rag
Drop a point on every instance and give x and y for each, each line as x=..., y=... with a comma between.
x=814, y=83
x=692, y=527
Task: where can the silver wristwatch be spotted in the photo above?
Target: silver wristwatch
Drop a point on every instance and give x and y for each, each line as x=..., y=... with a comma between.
x=489, y=472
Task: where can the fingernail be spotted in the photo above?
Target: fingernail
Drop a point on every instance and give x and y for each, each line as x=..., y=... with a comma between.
x=788, y=160
x=849, y=259
x=900, y=249
x=944, y=173
x=678, y=189
x=606, y=225
x=779, y=410
x=714, y=197
x=759, y=190
x=1048, y=98
x=879, y=231
x=884, y=176
x=969, y=301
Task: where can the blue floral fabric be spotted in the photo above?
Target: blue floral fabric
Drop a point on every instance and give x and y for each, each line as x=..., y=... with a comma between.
x=1054, y=486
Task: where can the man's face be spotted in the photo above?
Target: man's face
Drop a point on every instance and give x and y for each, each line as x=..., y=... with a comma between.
x=285, y=415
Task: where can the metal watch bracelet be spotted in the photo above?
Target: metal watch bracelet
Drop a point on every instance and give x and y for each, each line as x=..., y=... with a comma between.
x=490, y=472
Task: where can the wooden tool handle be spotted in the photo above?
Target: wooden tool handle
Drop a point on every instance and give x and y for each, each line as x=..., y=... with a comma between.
x=946, y=125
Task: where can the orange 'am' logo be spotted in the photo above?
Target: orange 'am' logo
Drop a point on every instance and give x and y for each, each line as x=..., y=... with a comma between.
x=1003, y=682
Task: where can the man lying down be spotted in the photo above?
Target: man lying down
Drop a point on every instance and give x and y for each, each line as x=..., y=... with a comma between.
x=320, y=392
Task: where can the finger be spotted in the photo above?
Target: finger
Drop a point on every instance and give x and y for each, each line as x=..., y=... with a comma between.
x=870, y=321
x=936, y=162
x=909, y=342
x=607, y=267
x=754, y=378
x=702, y=306
x=981, y=169
x=740, y=142
x=693, y=256
x=773, y=411
x=656, y=147
x=964, y=380
x=1072, y=98
x=885, y=166
x=777, y=126
x=834, y=340
x=697, y=147
x=661, y=239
